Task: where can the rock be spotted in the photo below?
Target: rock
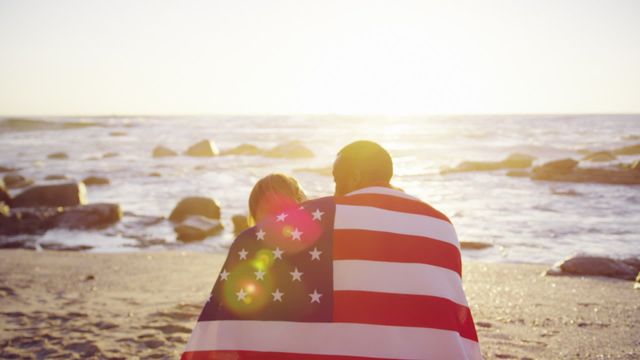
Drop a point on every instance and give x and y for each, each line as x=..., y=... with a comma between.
x=155, y=174
x=96, y=180
x=594, y=266
x=58, y=155
x=68, y=194
x=204, y=148
x=5, y=197
x=560, y=166
x=27, y=221
x=634, y=262
x=474, y=245
x=240, y=223
x=118, y=133
x=567, y=171
x=513, y=161
x=244, y=149
x=628, y=150
x=161, y=151
x=109, y=155
x=56, y=177
x=290, y=150
x=16, y=181
x=92, y=216
x=197, y=227
x=195, y=205
x=5, y=211
x=600, y=156
x=7, y=169
x=518, y=173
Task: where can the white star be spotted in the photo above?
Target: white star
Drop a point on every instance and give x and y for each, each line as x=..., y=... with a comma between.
x=277, y=253
x=317, y=215
x=277, y=296
x=295, y=234
x=243, y=254
x=296, y=275
x=315, y=296
x=224, y=274
x=260, y=234
x=259, y=275
x=315, y=254
x=241, y=294
x=281, y=217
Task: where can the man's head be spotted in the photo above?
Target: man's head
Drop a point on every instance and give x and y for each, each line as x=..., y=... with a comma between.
x=361, y=164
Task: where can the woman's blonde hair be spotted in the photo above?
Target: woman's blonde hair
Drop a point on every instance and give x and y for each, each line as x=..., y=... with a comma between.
x=271, y=191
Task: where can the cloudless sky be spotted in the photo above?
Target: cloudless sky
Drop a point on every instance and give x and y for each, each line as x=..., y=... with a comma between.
x=68, y=57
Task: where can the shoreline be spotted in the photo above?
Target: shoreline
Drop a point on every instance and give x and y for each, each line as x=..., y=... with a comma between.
x=123, y=305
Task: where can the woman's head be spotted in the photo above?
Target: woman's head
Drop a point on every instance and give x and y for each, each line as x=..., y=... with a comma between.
x=274, y=193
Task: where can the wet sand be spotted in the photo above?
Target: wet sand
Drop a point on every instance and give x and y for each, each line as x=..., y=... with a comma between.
x=143, y=305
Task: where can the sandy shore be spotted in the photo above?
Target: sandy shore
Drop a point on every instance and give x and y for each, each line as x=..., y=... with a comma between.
x=143, y=305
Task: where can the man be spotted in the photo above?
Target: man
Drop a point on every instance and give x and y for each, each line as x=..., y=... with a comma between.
x=368, y=273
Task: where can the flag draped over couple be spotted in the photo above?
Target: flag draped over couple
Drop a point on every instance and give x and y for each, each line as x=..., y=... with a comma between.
x=372, y=274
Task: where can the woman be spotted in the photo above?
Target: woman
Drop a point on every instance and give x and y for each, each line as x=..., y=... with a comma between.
x=273, y=194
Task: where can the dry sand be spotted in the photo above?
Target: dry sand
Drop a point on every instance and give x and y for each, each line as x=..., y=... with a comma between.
x=143, y=305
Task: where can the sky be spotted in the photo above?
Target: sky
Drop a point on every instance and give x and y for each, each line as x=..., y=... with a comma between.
x=157, y=57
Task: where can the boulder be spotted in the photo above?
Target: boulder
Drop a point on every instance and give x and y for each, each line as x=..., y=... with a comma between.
x=240, y=223
x=558, y=166
x=474, y=245
x=594, y=266
x=567, y=171
x=628, y=150
x=513, y=161
x=117, y=133
x=290, y=150
x=68, y=194
x=16, y=181
x=155, y=174
x=96, y=180
x=600, y=156
x=56, y=177
x=204, y=148
x=197, y=227
x=5, y=197
x=109, y=155
x=58, y=155
x=7, y=169
x=195, y=205
x=518, y=173
x=161, y=151
x=23, y=221
x=243, y=149
x=92, y=216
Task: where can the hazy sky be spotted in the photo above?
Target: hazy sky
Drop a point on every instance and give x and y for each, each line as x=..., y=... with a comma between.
x=65, y=57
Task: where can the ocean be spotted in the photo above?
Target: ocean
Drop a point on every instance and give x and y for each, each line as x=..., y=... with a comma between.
x=524, y=220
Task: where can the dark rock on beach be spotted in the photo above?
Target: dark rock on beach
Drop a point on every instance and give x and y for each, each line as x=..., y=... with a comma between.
x=240, y=223
x=109, y=155
x=56, y=177
x=290, y=150
x=600, y=156
x=243, y=149
x=197, y=227
x=595, y=266
x=16, y=181
x=117, y=133
x=567, y=170
x=68, y=194
x=628, y=150
x=96, y=180
x=204, y=148
x=58, y=155
x=91, y=216
x=161, y=151
x=195, y=205
x=6, y=169
x=513, y=161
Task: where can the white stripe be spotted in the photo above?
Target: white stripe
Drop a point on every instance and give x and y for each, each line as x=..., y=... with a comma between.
x=383, y=191
x=375, y=219
x=398, y=278
x=345, y=339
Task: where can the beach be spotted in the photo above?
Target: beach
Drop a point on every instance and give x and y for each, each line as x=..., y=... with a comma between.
x=144, y=305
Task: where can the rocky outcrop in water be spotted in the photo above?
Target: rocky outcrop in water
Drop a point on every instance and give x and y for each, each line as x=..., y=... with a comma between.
x=204, y=148
x=628, y=150
x=195, y=218
x=243, y=149
x=161, y=151
x=290, y=150
x=626, y=269
x=474, y=245
x=16, y=181
x=56, y=177
x=22, y=124
x=196, y=227
x=567, y=170
x=58, y=156
x=600, y=156
x=68, y=194
x=195, y=205
x=513, y=161
x=96, y=181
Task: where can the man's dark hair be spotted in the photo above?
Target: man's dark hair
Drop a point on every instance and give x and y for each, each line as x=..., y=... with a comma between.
x=368, y=157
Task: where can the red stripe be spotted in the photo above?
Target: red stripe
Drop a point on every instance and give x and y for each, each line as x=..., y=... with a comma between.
x=349, y=244
x=393, y=203
x=403, y=310
x=222, y=354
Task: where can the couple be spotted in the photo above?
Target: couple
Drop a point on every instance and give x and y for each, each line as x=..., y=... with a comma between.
x=370, y=272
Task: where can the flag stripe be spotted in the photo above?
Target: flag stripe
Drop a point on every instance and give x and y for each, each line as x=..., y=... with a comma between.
x=227, y=354
x=390, y=202
x=383, y=191
x=374, y=219
x=380, y=246
x=403, y=310
x=398, y=278
x=342, y=339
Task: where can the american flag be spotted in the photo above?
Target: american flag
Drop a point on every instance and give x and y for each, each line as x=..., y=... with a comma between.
x=372, y=274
